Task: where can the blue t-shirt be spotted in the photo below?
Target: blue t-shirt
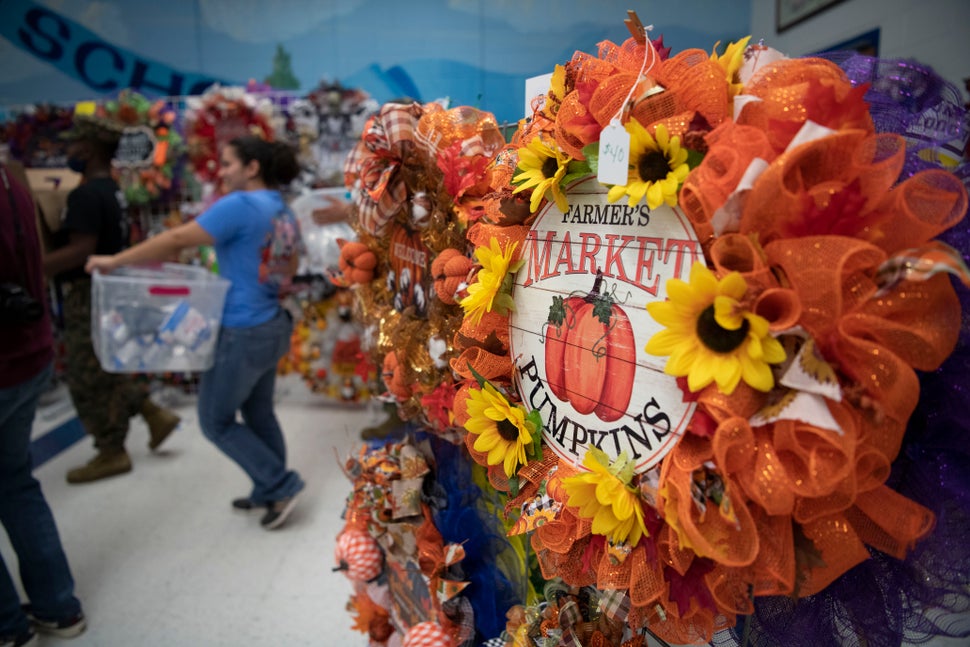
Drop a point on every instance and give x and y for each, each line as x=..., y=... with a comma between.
x=242, y=224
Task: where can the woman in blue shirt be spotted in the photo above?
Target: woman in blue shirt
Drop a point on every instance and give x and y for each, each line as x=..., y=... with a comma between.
x=244, y=227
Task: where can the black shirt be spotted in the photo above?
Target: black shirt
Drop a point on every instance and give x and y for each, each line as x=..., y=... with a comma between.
x=94, y=207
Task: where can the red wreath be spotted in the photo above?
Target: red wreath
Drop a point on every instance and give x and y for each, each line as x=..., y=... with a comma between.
x=224, y=115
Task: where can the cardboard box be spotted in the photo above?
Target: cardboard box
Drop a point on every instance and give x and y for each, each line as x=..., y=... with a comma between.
x=50, y=187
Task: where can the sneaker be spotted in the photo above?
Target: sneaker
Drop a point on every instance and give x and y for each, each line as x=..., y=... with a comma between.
x=278, y=511
x=28, y=639
x=63, y=628
x=105, y=464
x=245, y=504
x=161, y=423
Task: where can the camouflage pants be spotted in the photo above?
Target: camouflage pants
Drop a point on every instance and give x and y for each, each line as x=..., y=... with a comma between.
x=104, y=401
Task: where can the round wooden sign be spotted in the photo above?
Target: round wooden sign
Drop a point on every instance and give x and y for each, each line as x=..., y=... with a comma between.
x=580, y=325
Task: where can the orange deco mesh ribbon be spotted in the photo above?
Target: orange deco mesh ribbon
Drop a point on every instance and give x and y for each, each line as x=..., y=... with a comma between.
x=793, y=90
x=478, y=132
x=692, y=84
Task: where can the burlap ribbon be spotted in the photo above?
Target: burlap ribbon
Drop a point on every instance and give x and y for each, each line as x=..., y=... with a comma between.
x=375, y=162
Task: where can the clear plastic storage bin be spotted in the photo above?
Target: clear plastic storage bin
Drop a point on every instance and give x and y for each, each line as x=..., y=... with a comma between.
x=156, y=319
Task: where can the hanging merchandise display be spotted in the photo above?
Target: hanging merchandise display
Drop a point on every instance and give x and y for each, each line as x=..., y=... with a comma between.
x=32, y=135
x=695, y=387
x=149, y=155
x=418, y=176
x=329, y=122
x=216, y=117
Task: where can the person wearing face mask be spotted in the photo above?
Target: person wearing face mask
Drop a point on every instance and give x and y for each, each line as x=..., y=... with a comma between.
x=94, y=222
x=257, y=243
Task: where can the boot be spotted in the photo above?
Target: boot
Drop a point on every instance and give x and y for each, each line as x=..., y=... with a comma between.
x=106, y=463
x=161, y=422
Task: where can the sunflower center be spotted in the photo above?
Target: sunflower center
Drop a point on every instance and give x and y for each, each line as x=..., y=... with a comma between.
x=507, y=430
x=653, y=166
x=718, y=339
x=549, y=167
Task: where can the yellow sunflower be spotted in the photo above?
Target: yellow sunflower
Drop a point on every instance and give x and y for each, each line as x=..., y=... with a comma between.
x=710, y=337
x=491, y=290
x=657, y=167
x=730, y=61
x=556, y=93
x=504, y=430
x=542, y=168
x=604, y=494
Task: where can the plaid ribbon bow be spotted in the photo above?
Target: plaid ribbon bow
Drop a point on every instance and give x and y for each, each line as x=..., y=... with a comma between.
x=374, y=162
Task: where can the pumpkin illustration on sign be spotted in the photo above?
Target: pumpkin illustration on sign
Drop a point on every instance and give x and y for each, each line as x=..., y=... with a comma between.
x=590, y=353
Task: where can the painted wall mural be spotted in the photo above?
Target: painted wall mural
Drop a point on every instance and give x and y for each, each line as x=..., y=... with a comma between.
x=472, y=52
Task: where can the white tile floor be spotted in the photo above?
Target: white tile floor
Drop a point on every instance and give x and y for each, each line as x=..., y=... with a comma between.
x=160, y=559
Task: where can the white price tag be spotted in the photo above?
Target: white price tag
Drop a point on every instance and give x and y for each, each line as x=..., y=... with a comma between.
x=614, y=154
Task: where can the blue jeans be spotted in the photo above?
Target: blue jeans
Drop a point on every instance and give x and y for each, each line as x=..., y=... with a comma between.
x=27, y=519
x=242, y=379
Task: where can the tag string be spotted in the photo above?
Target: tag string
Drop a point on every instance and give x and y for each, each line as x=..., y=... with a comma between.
x=648, y=52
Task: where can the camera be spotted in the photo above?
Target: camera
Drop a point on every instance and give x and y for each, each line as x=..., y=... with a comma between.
x=17, y=306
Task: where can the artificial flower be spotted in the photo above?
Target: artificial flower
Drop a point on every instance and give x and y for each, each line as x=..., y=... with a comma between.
x=710, y=337
x=730, y=61
x=492, y=290
x=439, y=405
x=542, y=167
x=557, y=92
x=657, y=167
x=462, y=173
x=504, y=430
x=579, y=126
x=604, y=494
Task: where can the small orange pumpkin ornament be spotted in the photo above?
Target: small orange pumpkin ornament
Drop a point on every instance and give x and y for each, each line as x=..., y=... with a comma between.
x=590, y=354
x=450, y=269
x=393, y=374
x=358, y=555
x=357, y=262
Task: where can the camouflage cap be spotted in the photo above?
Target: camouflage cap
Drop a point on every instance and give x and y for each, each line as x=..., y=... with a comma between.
x=89, y=123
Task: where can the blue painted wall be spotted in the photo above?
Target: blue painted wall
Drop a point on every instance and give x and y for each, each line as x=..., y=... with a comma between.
x=475, y=52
